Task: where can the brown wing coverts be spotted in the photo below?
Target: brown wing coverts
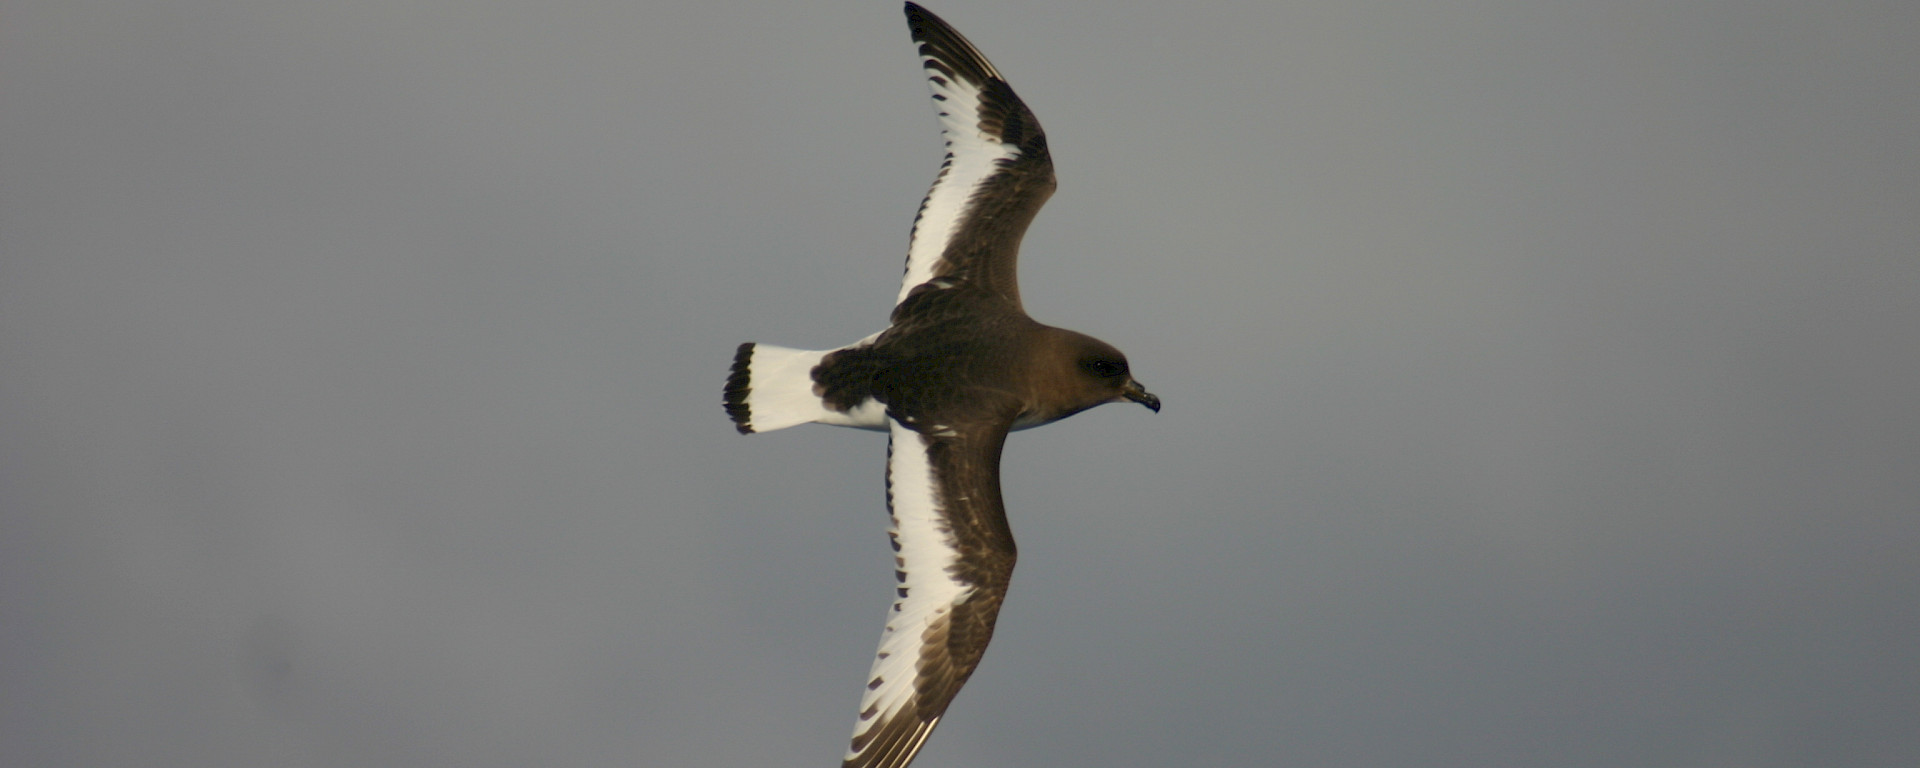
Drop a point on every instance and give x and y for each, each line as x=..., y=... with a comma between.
x=966, y=469
x=985, y=247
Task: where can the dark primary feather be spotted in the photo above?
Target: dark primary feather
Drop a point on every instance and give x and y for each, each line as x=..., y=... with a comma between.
x=966, y=469
x=985, y=248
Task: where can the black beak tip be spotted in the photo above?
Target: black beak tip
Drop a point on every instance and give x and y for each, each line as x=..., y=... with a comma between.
x=1139, y=394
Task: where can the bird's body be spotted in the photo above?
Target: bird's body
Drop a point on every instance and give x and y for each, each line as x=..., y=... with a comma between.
x=960, y=365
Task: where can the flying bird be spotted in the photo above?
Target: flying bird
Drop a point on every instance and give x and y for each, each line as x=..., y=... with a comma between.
x=958, y=367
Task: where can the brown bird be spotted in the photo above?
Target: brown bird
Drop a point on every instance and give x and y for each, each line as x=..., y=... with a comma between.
x=959, y=367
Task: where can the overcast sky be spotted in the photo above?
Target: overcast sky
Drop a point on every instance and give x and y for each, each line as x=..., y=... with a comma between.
x=1540, y=383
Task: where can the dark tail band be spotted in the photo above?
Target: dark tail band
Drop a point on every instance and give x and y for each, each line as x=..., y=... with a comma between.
x=739, y=382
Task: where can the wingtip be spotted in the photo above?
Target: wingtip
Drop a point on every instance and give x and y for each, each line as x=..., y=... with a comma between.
x=915, y=14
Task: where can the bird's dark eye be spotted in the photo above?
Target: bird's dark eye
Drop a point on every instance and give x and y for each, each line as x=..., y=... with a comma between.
x=1104, y=368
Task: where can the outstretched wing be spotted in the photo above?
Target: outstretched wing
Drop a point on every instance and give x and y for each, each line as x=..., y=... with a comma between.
x=953, y=555
x=996, y=175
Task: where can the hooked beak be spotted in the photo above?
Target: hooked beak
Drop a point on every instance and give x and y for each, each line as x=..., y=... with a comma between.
x=1139, y=394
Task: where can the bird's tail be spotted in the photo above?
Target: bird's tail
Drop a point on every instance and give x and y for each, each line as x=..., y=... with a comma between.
x=773, y=388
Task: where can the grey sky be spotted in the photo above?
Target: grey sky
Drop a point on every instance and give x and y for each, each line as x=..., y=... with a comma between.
x=1539, y=383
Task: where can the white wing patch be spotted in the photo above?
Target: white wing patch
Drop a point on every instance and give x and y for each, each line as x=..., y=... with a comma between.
x=926, y=592
x=972, y=157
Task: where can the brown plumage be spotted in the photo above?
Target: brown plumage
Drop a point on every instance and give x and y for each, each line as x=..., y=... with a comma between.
x=959, y=366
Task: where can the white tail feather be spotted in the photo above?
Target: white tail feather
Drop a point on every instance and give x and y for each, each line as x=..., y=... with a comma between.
x=772, y=387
